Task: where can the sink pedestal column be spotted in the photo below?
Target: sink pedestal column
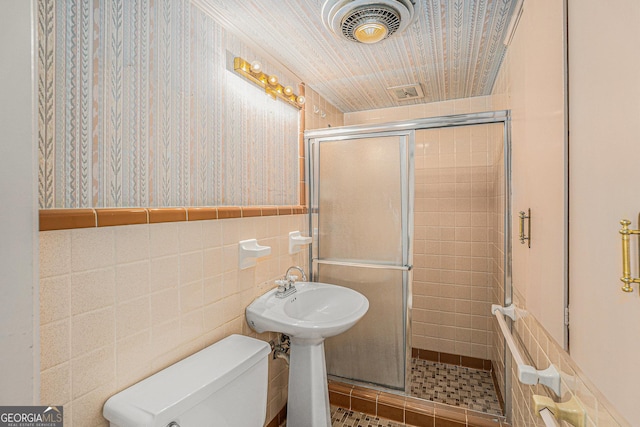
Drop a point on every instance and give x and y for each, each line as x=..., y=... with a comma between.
x=308, y=402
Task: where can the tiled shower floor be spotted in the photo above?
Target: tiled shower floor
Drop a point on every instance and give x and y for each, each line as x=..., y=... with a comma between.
x=454, y=385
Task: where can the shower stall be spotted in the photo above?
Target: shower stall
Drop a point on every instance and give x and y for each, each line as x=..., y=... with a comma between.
x=415, y=216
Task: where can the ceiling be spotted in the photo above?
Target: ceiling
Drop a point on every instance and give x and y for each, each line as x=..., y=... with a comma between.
x=453, y=49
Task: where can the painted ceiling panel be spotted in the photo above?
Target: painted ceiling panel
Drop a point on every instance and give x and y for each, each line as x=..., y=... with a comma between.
x=453, y=49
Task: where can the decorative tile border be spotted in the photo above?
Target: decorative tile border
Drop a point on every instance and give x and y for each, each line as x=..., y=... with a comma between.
x=452, y=359
x=118, y=216
x=157, y=215
x=61, y=219
x=408, y=410
x=64, y=219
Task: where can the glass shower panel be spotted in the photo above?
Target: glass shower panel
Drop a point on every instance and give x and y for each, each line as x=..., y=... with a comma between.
x=360, y=209
x=373, y=350
x=362, y=201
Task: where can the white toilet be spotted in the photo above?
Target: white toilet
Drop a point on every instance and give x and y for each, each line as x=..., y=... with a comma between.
x=224, y=385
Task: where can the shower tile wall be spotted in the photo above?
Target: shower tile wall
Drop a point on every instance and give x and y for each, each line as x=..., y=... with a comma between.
x=454, y=223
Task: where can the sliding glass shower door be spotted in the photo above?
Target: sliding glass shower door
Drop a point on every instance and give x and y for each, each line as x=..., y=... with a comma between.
x=361, y=200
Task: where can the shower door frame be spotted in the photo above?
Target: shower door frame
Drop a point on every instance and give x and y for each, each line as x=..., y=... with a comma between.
x=410, y=126
x=407, y=143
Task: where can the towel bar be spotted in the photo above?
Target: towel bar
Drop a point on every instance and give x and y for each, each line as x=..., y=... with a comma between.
x=527, y=374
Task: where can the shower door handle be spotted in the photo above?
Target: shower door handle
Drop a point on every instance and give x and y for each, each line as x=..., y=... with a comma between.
x=364, y=265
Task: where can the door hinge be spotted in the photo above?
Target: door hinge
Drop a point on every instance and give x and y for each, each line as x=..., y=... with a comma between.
x=566, y=316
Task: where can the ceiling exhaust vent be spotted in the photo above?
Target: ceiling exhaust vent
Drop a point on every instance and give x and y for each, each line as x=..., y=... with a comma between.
x=407, y=92
x=367, y=21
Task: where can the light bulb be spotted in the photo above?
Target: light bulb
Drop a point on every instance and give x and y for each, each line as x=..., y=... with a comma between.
x=288, y=90
x=256, y=67
x=370, y=32
x=300, y=100
x=273, y=80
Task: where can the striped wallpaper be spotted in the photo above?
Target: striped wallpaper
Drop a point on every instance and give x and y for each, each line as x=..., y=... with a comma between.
x=137, y=108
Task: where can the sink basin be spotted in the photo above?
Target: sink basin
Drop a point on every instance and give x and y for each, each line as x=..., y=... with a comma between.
x=316, y=310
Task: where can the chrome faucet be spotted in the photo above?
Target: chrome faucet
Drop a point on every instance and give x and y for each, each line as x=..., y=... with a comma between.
x=287, y=286
x=295, y=267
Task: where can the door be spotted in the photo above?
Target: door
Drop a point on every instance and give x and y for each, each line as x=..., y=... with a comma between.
x=540, y=165
x=361, y=198
x=604, y=108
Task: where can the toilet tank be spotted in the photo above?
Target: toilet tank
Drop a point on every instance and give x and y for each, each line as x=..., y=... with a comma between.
x=224, y=385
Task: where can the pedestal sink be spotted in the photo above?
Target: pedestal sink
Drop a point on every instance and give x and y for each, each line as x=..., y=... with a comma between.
x=314, y=312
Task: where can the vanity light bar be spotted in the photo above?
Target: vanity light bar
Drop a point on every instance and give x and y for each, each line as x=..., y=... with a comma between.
x=253, y=72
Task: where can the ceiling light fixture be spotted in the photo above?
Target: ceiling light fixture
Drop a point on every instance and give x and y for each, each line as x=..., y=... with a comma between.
x=370, y=32
x=367, y=21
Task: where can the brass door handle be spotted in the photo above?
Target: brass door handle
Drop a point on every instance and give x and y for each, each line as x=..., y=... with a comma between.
x=626, y=256
x=527, y=237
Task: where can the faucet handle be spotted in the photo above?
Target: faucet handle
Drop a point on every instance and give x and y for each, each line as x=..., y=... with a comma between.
x=292, y=278
x=282, y=285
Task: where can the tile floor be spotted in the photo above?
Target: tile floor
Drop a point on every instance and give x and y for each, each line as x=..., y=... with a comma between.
x=341, y=417
x=454, y=385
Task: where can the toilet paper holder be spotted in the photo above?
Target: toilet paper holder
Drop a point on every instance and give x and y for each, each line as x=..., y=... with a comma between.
x=570, y=411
